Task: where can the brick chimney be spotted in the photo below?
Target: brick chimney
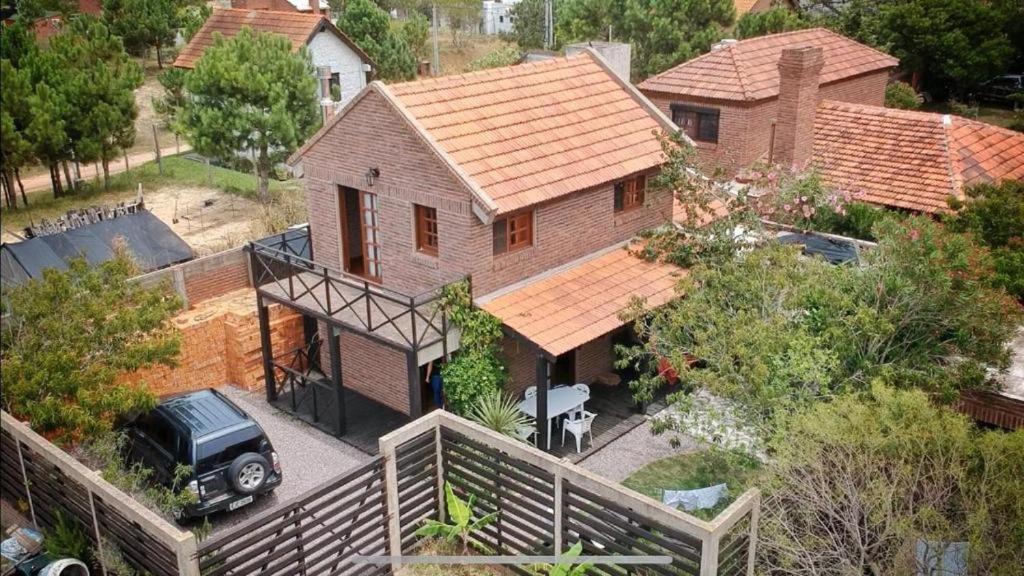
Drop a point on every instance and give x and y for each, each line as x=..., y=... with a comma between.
x=799, y=72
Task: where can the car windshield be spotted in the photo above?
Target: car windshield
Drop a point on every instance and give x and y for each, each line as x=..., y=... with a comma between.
x=217, y=451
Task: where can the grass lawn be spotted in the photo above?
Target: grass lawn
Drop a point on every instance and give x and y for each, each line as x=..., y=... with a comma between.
x=697, y=470
x=177, y=171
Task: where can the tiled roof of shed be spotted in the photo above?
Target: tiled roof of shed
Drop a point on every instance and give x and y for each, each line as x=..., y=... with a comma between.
x=298, y=27
x=537, y=131
x=570, y=307
x=748, y=70
x=911, y=160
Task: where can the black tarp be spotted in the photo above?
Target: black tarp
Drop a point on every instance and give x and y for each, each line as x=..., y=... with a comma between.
x=834, y=251
x=152, y=243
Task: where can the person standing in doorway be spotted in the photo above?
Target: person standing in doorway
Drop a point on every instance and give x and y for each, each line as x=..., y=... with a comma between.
x=436, y=383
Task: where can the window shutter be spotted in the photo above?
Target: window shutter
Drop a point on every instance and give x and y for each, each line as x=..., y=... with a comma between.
x=620, y=192
x=500, y=236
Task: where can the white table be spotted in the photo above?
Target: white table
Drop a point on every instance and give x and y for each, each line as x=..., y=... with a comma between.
x=560, y=401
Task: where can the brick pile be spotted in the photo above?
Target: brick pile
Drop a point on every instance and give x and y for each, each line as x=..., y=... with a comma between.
x=220, y=344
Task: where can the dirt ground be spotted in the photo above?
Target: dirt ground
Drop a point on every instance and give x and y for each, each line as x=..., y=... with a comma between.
x=209, y=220
x=455, y=60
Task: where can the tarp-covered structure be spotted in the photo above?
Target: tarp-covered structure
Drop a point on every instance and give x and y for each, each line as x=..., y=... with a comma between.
x=151, y=242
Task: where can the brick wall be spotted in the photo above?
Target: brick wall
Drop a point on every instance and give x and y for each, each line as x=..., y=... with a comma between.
x=370, y=135
x=593, y=358
x=204, y=278
x=375, y=370
x=220, y=344
x=745, y=127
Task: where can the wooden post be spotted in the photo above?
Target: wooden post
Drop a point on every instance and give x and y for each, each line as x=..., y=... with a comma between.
x=334, y=341
x=542, y=401
x=709, y=555
x=441, y=501
x=96, y=531
x=266, y=345
x=391, y=493
x=557, y=540
x=24, y=478
x=156, y=144
x=755, y=517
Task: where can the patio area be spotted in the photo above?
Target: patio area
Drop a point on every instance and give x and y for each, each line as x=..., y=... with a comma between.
x=617, y=415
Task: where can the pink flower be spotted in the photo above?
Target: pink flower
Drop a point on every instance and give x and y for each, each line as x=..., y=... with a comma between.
x=914, y=234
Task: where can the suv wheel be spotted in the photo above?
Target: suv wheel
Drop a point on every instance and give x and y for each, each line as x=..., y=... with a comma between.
x=248, y=472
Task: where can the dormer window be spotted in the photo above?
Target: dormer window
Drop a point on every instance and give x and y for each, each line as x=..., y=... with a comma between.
x=629, y=194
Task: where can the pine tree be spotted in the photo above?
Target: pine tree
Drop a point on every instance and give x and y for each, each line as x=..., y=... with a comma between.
x=251, y=92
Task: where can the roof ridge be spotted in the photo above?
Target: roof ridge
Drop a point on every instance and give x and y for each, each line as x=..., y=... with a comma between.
x=486, y=74
x=288, y=13
x=739, y=73
x=953, y=166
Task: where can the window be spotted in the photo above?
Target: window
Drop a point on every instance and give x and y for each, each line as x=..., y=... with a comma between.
x=334, y=87
x=629, y=194
x=513, y=232
x=701, y=124
x=426, y=229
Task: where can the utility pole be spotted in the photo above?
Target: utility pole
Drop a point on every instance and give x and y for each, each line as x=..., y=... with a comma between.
x=435, y=69
x=549, y=25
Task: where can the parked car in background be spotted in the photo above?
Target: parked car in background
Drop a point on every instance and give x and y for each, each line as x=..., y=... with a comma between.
x=1001, y=88
x=231, y=459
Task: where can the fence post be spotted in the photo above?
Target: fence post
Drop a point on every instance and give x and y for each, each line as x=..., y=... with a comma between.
x=96, y=529
x=557, y=540
x=755, y=517
x=24, y=478
x=441, y=502
x=709, y=555
x=159, y=160
x=391, y=493
x=188, y=556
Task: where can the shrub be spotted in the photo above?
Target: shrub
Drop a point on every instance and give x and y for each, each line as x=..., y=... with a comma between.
x=500, y=413
x=994, y=215
x=462, y=522
x=504, y=56
x=67, y=539
x=855, y=220
x=476, y=370
x=902, y=95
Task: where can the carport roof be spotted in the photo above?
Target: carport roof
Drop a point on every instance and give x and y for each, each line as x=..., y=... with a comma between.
x=575, y=304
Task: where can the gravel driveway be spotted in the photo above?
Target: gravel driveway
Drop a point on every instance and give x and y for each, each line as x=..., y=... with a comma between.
x=630, y=452
x=308, y=456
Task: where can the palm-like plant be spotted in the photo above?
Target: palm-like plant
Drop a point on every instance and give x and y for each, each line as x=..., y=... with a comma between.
x=462, y=524
x=500, y=413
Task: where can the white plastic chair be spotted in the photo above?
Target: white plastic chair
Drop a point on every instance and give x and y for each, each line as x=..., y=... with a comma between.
x=530, y=392
x=578, y=427
x=527, y=431
x=577, y=412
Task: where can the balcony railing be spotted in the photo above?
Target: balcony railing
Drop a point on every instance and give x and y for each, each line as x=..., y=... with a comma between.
x=282, y=270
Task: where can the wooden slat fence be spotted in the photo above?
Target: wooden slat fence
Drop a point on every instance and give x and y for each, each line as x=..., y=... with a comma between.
x=417, y=485
x=49, y=481
x=316, y=534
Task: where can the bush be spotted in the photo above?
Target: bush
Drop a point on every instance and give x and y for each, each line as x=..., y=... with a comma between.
x=902, y=95
x=68, y=539
x=853, y=484
x=497, y=58
x=476, y=371
x=500, y=413
x=855, y=220
x=70, y=338
x=994, y=215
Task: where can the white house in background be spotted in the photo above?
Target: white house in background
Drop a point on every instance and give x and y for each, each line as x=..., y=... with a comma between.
x=278, y=5
x=497, y=15
x=329, y=48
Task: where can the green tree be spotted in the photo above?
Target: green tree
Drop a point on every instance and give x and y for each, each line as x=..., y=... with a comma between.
x=251, y=92
x=853, y=485
x=169, y=106
x=994, y=215
x=370, y=28
x=15, y=148
x=143, y=23
x=528, y=24
x=772, y=21
x=192, y=18
x=95, y=82
x=774, y=330
x=663, y=33
x=415, y=31
x=902, y=95
x=70, y=337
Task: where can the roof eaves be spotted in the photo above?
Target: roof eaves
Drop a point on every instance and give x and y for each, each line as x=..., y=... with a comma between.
x=489, y=206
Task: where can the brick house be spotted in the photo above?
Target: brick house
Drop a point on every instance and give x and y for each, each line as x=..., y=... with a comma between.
x=728, y=101
x=527, y=180
x=338, y=60
x=283, y=6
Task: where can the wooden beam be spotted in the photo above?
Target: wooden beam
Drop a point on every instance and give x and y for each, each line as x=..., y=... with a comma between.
x=334, y=342
x=266, y=347
x=542, y=400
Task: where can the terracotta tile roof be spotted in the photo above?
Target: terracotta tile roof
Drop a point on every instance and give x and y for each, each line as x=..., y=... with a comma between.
x=911, y=160
x=533, y=132
x=565, y=309
x=748, y=69
x=298, y=27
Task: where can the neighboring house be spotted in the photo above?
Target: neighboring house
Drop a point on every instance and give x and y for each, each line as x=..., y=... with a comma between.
x=727, y=101
x=50, y=24
x=752, y=6
x=527, y=179
x=350, y=67
x=497, y=16
x=911, y=160
x=283, y=5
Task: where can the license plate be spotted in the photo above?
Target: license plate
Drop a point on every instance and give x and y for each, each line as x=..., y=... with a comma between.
x=239, y=503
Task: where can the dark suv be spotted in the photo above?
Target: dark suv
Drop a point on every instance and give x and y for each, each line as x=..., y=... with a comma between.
x=231, y=457
x=1001, y=88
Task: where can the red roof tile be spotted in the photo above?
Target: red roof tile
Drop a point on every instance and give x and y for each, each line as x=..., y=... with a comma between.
x=911, y=160
x=533, y=132
x=298, y=27
x=748, y=69
x=575, y=305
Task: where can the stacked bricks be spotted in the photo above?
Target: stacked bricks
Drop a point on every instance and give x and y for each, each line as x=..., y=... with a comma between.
x=220, y=344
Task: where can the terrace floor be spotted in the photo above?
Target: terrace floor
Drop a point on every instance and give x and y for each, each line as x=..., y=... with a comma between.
x=617, y=414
